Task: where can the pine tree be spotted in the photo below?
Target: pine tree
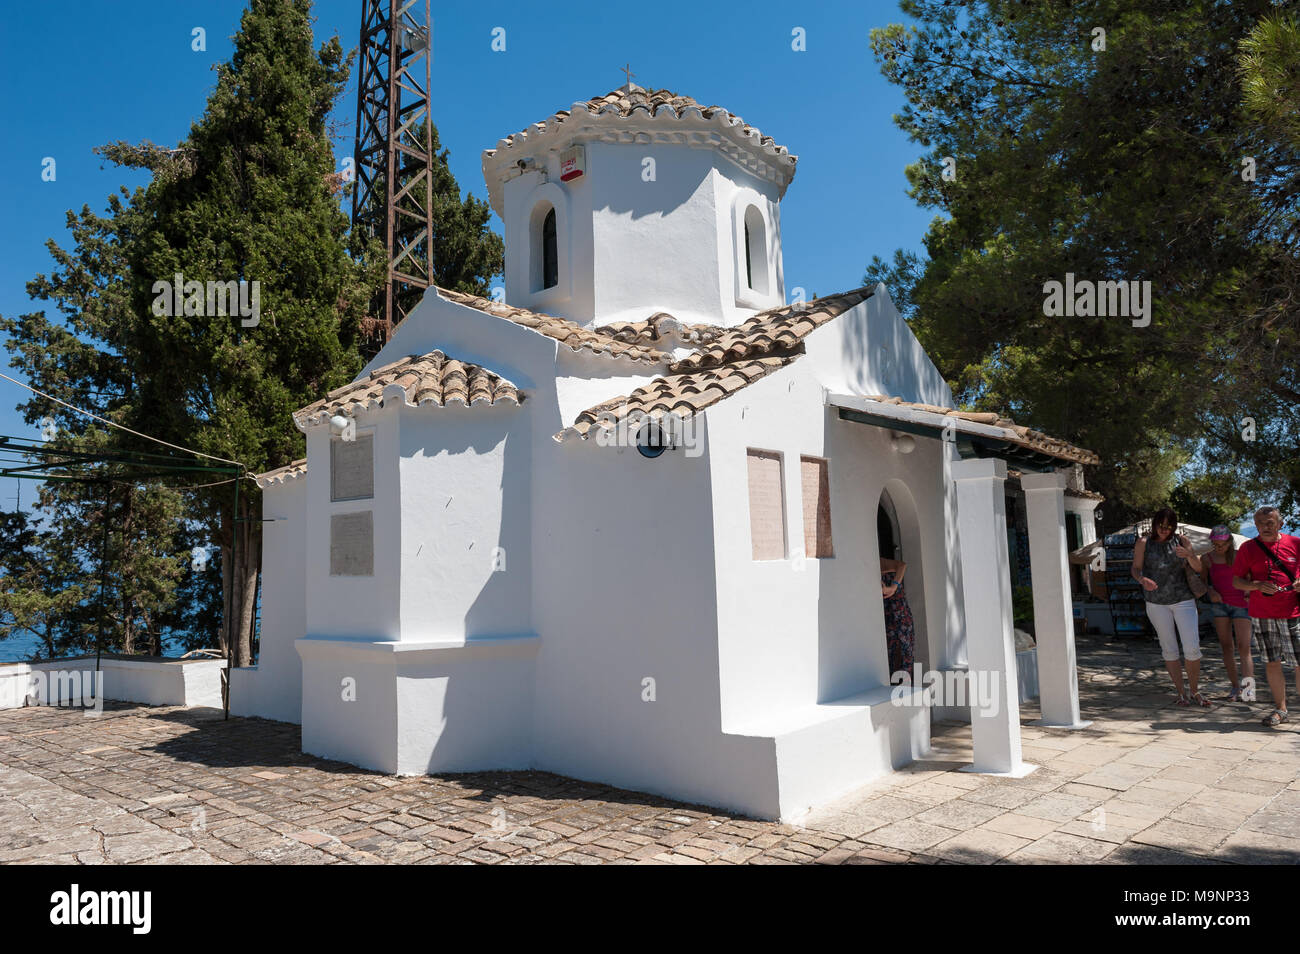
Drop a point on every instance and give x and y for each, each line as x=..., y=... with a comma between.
x=248, y=196
x=1112, y=156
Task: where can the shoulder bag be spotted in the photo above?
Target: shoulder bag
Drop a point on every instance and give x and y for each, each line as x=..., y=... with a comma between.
x=1194, y=579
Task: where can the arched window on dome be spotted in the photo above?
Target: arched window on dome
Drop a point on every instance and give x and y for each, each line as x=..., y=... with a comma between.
x=545, y=248
x=755, y=251
x=550, y=252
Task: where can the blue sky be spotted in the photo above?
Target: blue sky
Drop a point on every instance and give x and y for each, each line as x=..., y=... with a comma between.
x=105, y=70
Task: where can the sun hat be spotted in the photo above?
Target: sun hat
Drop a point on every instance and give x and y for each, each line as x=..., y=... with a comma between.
x=1220, y=533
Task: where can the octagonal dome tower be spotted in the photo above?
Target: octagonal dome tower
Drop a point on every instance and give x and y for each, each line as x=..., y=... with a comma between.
x=637, y=202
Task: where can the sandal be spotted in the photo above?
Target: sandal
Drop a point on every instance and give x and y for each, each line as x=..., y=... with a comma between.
x=1276, y=718
x=1235, y=695
x=1181, y=701
x=1200, y=700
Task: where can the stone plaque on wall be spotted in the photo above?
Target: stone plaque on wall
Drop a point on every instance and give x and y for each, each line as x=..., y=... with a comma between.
x=352, y=544
x=816, y=507
x=352, y=468
x=766, y=505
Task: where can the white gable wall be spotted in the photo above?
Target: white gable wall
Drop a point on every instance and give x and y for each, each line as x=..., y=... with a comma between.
x=871, y=350
x=466, y=529
x=520, y=355
x=273, y=688
x=624, y=591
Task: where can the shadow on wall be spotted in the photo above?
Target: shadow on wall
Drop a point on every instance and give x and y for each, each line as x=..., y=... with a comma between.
x=502, y=550
x=881, y=355
x=852, y=652
x=510, y=556
x=895, y=498
x=850, y=630
x=673, y=185
x=480, y=697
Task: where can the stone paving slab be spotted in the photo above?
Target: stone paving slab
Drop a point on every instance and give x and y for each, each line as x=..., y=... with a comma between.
x=1146, y=783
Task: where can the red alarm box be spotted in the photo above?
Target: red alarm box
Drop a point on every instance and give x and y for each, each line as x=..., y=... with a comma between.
x=573, y=163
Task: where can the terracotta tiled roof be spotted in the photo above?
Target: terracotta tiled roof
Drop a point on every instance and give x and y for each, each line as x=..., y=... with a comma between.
x=683, y=120
x=629, y=99
x=1085, y=494
x=727, y=360
x=1012, y=432
x=680, y=394
x=430, y=379
x=661, y=327
x=283, y=474
x=1014, y=474
x=775, y=331
x=563, y=330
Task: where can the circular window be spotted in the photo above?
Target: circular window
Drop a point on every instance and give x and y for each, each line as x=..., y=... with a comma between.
x=651, y=441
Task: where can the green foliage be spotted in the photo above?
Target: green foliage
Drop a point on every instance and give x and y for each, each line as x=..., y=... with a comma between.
x=1270, y=74
x=250, y=194
x=41, y=592
x=1022, y=608
x=1115, y=164
x=1207, y=500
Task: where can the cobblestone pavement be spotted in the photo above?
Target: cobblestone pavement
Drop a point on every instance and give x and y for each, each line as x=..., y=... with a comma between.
x=1147, y=783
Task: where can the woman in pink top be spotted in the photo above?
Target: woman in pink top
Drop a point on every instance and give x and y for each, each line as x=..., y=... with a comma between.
x=1228, y=605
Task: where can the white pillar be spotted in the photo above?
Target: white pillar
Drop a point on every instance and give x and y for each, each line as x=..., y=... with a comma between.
x=1058, y=677
x=986, y=591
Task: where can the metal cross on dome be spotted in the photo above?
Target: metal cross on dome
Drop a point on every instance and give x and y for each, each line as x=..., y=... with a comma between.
x=627, y=72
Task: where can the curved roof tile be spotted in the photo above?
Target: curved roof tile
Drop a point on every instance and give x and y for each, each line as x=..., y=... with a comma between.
x=431, y=379
x=569, y=333
x=283, y=474
x=630, y=104
x=727, y=359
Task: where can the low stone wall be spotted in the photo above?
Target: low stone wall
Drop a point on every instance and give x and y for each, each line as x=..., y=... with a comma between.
x=150, y=680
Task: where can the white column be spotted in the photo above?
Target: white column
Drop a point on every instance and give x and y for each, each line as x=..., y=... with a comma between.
x=986, y=591
x=1058, y=677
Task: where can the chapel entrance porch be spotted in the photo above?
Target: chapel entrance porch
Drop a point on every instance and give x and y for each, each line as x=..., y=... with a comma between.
x=976, y=475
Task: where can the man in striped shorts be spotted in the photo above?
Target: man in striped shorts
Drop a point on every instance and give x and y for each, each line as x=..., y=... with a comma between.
x=1267, y=569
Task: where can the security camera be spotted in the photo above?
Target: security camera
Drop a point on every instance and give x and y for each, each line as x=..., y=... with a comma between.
x=526, y=163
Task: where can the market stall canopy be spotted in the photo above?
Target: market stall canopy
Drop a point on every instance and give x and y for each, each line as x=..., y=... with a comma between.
x=1094, y=554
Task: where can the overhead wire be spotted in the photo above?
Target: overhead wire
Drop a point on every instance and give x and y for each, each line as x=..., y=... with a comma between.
x=121, y=427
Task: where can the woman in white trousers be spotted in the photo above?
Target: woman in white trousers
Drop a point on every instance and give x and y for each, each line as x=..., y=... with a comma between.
x=1159, y=564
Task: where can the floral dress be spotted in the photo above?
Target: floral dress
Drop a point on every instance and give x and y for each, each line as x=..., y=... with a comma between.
x=900, y=632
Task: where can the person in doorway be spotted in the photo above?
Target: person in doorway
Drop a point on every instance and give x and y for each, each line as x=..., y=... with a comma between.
x=1159, y=563
x=1267, y=569
x=1228, y=607
x=900, y=630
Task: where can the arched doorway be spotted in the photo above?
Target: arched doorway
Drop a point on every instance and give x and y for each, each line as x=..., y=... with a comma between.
x=898, y=533
x=887, y=527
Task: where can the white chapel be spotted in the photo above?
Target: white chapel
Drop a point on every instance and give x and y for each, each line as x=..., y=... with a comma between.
x=625, y=525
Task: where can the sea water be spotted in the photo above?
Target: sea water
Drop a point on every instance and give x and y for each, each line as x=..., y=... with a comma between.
x=25, y=645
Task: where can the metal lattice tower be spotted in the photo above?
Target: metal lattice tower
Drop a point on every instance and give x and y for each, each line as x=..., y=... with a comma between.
x=394, y=177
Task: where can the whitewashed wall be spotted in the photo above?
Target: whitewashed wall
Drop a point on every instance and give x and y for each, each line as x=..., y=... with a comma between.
x=149, y=681
x=800, y=631
x=870, y=350
x=355, y=607
x=629, y=246
x=465, y=550
x=273, y=688
x=624, y=591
